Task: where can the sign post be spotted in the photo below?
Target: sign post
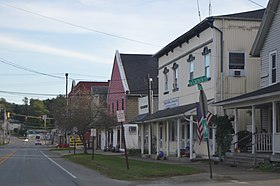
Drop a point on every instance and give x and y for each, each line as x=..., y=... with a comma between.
x=204, y=110
x=92, y=134
x=121, y=119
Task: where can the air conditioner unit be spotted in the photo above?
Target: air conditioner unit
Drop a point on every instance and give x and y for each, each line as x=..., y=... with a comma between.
x=237, y=73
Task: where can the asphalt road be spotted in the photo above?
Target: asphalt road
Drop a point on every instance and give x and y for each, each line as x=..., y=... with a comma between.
x=24, y=163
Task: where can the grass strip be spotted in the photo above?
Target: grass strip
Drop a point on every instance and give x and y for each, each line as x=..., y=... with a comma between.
x=115, y=167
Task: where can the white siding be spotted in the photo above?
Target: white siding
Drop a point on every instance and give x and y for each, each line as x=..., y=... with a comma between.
x=272, y=43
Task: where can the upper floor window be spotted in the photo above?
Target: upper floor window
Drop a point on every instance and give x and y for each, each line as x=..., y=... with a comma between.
x=191, y=66
x=206, y=53
x=175, y=76
x=113, y=109
x=165, y=73
x=272, y=67
x=117, y=104
x=236, y=60
x=122, y=103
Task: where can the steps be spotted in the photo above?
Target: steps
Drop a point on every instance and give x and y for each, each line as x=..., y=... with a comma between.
x=245, y=159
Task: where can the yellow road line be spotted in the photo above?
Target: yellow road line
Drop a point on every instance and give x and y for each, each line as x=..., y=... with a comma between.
x=6, y=157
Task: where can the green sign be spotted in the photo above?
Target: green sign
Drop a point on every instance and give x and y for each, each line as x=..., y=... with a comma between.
x=204, y=128
x=197, y=80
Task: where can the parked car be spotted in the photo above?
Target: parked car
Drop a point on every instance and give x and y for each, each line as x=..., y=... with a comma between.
x=25, y=140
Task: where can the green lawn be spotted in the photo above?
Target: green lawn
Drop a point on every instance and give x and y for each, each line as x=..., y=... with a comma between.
x=115, y=167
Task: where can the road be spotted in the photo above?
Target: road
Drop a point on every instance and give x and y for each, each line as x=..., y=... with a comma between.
x=23, y=163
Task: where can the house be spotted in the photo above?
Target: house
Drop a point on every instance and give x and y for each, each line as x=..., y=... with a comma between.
x=217, y=48
x=129, y=81
x=96, y=94
x=263, y=104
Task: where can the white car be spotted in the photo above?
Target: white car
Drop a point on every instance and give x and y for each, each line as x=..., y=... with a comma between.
x=25, y=140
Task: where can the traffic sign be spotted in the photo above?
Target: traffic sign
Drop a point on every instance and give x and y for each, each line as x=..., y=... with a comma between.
x=120, y=116
x=198, y=80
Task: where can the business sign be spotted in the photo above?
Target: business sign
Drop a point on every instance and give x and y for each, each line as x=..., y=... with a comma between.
x=171, y=103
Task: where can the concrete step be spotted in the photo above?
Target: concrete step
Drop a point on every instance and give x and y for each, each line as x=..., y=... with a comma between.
x=245, y=159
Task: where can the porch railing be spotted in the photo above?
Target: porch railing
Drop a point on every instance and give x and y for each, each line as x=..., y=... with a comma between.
x=263, y=142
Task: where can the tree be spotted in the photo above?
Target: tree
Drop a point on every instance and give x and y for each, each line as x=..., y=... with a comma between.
x=224, y=131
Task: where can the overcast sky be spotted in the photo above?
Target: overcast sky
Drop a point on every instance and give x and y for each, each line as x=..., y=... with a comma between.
x=41, y=40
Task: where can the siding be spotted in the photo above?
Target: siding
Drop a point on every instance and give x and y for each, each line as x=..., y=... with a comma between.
x=272, y=43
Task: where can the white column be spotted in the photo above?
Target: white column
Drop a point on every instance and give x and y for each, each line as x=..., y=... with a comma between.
x=235, y=127
x=150, y=140
x=121, y=138
x=213, y=139
x=191, y=137
x=253, y=130
x=178, y=138
x=167, y=138
x=274, y=120
x=142, y=138
x=157, y=138
x=186, y=135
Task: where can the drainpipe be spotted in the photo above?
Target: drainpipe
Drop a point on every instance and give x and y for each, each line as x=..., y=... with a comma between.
x=210, y=22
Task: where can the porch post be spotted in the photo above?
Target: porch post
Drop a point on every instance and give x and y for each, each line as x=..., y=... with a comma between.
x=274, y=120
x=167, y=138
x=191, y=137
x=253, y=130
x=157, y=138
x=186, y=134
x=121, y=138
x=178, y=138
x=235, y=127
x=149, y=139
x=142, y=138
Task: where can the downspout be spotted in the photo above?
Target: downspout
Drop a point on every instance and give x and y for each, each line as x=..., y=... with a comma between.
x=210, y=22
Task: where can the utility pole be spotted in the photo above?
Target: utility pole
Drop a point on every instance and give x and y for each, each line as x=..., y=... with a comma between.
x=67, y=104
x=150, y=108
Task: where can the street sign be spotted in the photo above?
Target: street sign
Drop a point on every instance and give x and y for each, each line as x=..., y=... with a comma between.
x=120, y=116
x=198, y=80
x=92, y=132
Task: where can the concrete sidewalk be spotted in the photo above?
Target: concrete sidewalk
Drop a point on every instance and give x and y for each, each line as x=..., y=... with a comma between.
x=219, y=172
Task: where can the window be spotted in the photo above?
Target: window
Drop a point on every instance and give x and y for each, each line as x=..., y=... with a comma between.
x=206, y=53
x=191, y=66
x=132, y=130
x=122, y=103
x=272, y=67
x=236, y=60
x=113, y=108
x=165, y=72
x=117, y=104
x=175, y=76
x=191, y=69
x=173, y=133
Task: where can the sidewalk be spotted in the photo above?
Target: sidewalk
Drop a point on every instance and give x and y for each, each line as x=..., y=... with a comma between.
x=219, y=172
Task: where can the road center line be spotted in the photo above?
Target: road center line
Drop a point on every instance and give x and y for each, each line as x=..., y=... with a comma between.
x=59, y=166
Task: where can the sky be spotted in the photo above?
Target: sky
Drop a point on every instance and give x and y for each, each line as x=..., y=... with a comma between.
x=41, y=40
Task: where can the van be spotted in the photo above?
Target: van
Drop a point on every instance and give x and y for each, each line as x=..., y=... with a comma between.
x=38, y=140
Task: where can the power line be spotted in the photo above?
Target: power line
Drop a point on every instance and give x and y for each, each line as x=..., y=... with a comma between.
x=2, y=60
x=254, y=2
x=78, y=26
x=26, y=93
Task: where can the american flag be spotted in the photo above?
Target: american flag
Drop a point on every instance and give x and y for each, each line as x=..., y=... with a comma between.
x=209, y=115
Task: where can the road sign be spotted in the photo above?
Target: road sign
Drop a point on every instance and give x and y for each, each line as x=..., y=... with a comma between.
x=198, y=80
x=92, y=132
x=120, y=116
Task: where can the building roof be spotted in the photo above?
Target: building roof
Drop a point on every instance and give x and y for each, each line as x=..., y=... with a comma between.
x=86, y=86
x=136, y=68
x=206, y=23
x=163, y=114
x=260, y=93
x=264, y=28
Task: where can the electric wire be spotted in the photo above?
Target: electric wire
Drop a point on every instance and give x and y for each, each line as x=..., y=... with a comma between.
x=78, y=26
